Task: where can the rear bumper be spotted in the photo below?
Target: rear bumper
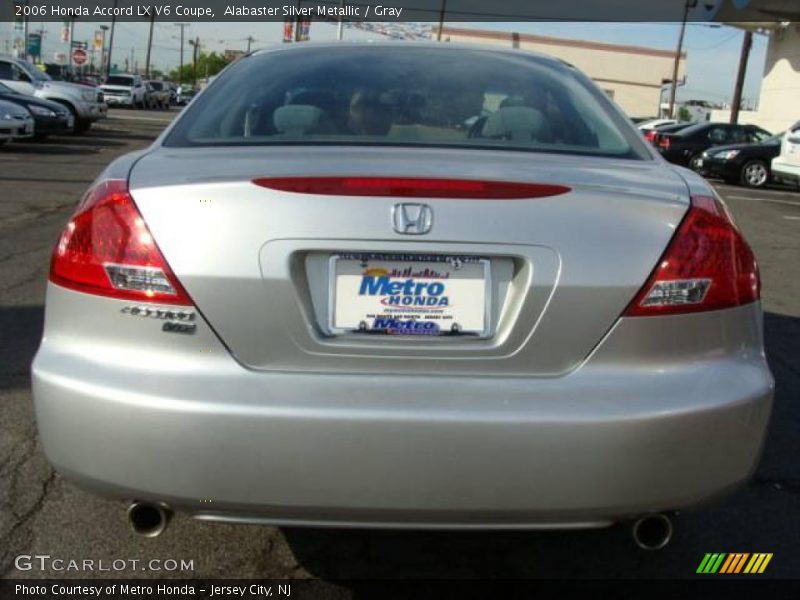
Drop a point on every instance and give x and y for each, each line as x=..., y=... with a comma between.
x=119, y=100
x=17, y=131
x=676, y=157
x=97, y=111
x=606, y=442
x=724, y=169
x=49, y=125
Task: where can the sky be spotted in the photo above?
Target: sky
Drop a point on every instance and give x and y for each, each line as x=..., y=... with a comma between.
x=712, y=53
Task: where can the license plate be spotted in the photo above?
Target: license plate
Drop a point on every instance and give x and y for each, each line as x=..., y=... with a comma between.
x=409, y=294
x=70, y=122
x=699, y=162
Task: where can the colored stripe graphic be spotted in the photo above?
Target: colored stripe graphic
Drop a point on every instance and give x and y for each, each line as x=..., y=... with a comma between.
x=758, y=563
x=737, y=562
x=711, y=563
x=734, y=563
x=741, y=562
x=703, y=564
x=727, y=564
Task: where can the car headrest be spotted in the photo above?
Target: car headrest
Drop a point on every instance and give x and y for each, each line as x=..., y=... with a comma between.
x=296, y=119
x=510, y=101
x=514, y=122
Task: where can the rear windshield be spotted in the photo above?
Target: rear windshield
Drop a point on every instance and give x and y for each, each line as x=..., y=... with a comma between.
x=157, y=85
x=407, y=96
x=118, y=80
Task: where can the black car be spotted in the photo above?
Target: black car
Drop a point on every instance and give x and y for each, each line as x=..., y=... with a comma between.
x=652, y=135
x=48, y=117
x=748, y=164
x=686, y=146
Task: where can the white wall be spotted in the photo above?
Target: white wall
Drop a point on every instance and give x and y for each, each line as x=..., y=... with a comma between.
x=746, y=117
x=779, y=104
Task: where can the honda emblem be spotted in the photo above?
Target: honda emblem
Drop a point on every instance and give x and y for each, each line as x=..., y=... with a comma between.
x=412, y=219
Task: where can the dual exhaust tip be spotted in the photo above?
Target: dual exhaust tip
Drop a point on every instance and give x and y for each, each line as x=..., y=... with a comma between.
x=147, y=519
x=651, y=532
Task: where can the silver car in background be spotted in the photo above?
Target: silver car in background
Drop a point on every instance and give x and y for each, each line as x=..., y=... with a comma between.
x=16, y=123
x=428, y=286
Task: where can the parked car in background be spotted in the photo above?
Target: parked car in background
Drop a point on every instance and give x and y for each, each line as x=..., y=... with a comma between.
x=650, y=128
x=185, y=95
x=86, y=104
x=49, y=117
x=157, y=94
x=125, y=90
x=686, y=146
x=172, y=88
x=530, y=323
x=16, y=123
x=653, y=135
x=65, y=73
x=786, y=166
x=745, y=164
x=655, y=123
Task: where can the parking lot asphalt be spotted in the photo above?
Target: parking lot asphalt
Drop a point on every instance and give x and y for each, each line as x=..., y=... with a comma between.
x=42, y=514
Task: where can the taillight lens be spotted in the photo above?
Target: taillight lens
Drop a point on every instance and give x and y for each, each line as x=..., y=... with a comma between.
x=107, y=249
x=650, y=135
x=664, y=142
x=412, y=187
x=707, y=266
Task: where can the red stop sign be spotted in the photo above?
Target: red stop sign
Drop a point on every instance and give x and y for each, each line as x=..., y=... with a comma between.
x=79, y=56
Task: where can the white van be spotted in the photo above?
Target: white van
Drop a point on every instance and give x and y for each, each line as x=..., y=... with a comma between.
x=786, y=166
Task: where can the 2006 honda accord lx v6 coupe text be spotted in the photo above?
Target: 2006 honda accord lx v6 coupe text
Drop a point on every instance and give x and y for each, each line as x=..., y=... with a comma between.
x=402, y=285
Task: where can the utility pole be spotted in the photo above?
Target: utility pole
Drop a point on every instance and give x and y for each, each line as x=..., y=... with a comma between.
x=340, y=25
x=111, y=42
x=103, y=28
x=25, y=25
x=689, y=4
x=149, y=47
x=747, y=44
x=180, y=72
x=131, y=63
x=71, y=37
x=196, y=43
x=297, y=23
x=441, y=21
x=250, y=39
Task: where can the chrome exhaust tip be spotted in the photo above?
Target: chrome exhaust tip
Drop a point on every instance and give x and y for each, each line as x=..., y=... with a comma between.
x=652, y=532
x=148, y=520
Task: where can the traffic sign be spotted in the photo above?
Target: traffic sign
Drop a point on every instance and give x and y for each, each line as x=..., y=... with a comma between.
x=79, y=56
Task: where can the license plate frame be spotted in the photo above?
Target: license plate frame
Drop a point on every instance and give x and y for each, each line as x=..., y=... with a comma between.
x=437, y=315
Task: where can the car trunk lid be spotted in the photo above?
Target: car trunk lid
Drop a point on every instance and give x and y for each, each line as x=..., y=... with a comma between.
x=257, y=260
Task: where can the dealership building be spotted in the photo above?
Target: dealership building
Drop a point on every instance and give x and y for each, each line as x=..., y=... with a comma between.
x=635, y=76
x=632, y=75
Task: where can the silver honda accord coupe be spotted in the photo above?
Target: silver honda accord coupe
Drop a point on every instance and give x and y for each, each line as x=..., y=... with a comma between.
x=403, y=285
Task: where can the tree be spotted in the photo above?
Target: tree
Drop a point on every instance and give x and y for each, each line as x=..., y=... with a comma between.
x=208, y=64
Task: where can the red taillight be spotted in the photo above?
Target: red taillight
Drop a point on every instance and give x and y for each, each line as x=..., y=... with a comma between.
x=707, y=266
x=107, y=249
x=650, y=135
x=664, y=142
x=410, y=187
